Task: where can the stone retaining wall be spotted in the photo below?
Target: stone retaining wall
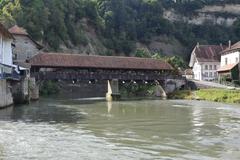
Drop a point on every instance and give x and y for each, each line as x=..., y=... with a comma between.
x=6, y=98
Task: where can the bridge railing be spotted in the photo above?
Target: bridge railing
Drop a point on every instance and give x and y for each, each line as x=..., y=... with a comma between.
x=148, y=76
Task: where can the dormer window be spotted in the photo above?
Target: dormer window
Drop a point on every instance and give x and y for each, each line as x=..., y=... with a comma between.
x=226, y=61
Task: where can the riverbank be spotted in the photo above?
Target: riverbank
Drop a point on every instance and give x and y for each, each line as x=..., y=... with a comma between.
x=215, y=95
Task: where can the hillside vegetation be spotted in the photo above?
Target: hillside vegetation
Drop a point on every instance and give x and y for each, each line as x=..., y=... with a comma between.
x=116, y=27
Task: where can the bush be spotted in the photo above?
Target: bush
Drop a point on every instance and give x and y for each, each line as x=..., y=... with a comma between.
x=49, y=88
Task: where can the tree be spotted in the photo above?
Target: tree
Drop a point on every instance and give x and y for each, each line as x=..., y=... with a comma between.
x=9, y=10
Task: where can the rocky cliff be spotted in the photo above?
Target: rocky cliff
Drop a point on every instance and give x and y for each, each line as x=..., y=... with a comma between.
x=216, y=14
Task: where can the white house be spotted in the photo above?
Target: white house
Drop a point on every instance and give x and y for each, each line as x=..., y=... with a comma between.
x=205, y=61
x=230, y=59
x=6, y=66
x=6, y=59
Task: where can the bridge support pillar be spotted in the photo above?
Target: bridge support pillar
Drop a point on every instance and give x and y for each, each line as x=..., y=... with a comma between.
x=160, y=92
x=113, y=93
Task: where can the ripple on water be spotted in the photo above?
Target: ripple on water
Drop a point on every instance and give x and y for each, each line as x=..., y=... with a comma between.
x=122, y=130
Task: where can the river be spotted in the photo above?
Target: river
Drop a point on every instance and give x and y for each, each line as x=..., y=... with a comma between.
x=137, y=129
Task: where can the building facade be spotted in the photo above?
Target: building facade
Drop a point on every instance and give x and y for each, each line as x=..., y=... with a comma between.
x=205, y=61
x=6, y=61
x=6, y=67
x=230, y=59
x=24, y=46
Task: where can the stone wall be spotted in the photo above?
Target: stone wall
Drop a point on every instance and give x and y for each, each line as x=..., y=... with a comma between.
x=172, y=85
x=82, y=89
x=33, y=89
x=24, y=48
x=20, y=91
x=6, y=98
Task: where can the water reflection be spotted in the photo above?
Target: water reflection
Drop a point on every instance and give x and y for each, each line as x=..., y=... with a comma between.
x=1, y=152
x=43, y=111
x=109, y=106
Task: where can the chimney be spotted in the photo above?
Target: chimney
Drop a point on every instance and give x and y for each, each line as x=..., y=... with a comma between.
x=229, y=44
x=198, y=44
x=221, y=45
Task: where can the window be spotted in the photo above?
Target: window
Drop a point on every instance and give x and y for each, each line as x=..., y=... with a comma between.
x=226, y=61
x=210, y=67
x=236, y=59
x=206, y=74
x=206, y=67
x=215, y=67
x=210, y=74
x=215, y=74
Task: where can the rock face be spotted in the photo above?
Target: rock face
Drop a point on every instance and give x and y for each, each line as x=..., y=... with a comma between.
x=163, y=44
x=221, y=15
x=93, y=45
x=232, y=9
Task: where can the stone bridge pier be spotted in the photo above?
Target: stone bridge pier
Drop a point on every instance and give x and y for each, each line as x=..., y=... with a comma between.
x=174, y=84
x=113, y=90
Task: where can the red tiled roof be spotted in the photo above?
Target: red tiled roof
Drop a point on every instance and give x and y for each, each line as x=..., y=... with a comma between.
x=104, y=62
x=18, y=30
x=209, y=53
x=227, y=67
x=5, y=32
x=234, y=47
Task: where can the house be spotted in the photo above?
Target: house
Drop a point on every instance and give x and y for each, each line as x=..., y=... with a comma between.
x=6, y=67
x=24, y=46
x=230, y=57
x=6, y=61
x=205, y=61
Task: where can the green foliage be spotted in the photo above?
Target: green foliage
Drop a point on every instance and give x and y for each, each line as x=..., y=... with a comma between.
x=119, y=23
x=215, y=95
x=139, y=90
x=9, y=10
x=142, y=53
x=181, y=94
x=176, y=62
x=236, y=28
x=219, y=95
x=49, y=88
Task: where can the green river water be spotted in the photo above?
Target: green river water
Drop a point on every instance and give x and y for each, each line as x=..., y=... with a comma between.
x=147, y=129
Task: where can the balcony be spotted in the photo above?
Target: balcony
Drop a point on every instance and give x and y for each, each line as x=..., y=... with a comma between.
x=8, y=72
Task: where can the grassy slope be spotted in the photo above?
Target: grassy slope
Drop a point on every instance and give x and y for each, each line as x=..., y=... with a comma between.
x=215, y=95
x=219, y=95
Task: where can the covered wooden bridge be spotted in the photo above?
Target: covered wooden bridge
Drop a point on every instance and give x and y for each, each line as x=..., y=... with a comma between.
x=56, y=66
x=75, y=67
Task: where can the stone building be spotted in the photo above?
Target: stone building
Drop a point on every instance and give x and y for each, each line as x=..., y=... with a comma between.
x=24, y=46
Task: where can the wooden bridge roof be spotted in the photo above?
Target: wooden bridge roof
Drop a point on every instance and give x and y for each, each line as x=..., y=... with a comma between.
x=60, y=60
